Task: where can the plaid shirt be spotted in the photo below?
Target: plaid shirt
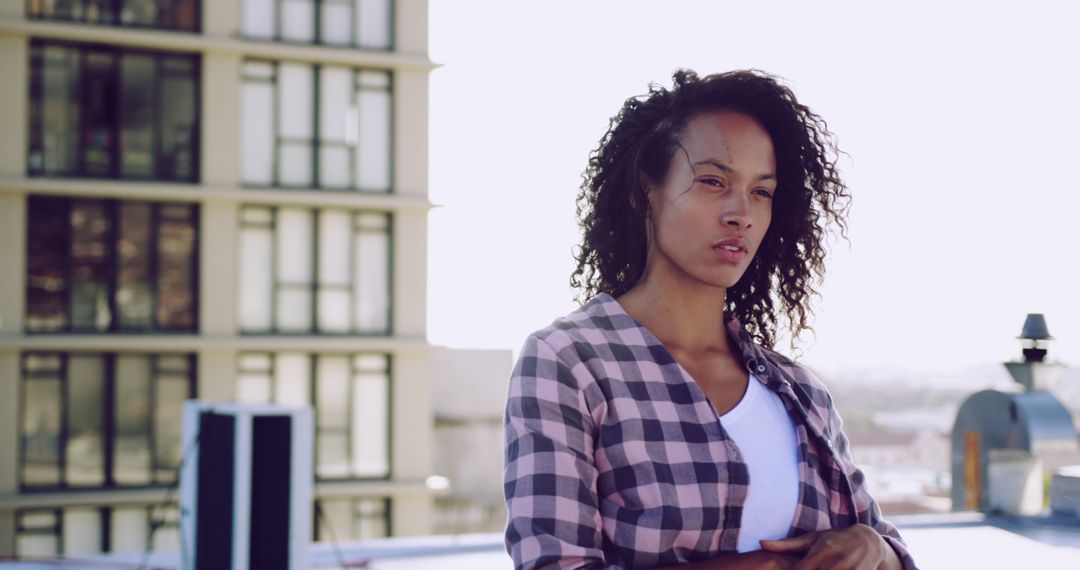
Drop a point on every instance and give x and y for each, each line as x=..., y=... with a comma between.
x=616, y=459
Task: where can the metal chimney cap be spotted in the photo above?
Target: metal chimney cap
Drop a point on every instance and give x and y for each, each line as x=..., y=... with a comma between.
x=1035, y=328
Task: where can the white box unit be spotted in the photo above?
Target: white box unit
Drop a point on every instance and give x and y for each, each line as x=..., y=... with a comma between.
x=245, y=486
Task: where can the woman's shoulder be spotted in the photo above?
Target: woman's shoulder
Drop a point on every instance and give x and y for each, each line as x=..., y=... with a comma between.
x=598, y=322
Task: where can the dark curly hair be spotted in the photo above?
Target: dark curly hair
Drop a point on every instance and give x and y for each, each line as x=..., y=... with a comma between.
x=611, y=207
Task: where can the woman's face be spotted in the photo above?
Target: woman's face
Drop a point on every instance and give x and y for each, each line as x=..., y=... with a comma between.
x=717, y=196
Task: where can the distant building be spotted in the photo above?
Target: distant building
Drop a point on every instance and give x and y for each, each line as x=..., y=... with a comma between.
x=469, y=399
x=923, y=449
x=906, y=470
x=224, y=200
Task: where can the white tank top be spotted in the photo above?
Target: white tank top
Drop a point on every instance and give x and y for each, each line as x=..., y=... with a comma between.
x=765, y=436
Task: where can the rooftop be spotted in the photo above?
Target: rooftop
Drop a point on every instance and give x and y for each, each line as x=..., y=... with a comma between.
x=938, y=541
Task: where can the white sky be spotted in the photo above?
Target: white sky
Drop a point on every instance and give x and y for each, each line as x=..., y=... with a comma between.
x=962, y=126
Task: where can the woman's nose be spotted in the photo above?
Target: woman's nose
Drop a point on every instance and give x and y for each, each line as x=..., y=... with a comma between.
x=737, y=210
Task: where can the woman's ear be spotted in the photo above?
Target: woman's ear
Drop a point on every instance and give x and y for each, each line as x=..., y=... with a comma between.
x=646, y=188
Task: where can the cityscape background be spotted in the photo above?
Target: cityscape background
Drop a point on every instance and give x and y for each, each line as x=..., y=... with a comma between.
x=954, y=120
x=366, y=205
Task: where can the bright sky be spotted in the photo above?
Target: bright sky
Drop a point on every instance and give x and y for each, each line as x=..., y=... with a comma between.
x=960, y=123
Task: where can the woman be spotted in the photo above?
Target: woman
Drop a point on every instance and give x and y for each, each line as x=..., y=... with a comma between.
x=655, y=426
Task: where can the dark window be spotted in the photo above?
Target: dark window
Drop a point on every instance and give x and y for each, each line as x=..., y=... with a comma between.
x=366, y=24
x=101, y=266
x=162, y=14
x=93, y=420
x=103, y=112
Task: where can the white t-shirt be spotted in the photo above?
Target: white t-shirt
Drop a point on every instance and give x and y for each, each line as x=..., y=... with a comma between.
x=765, y=437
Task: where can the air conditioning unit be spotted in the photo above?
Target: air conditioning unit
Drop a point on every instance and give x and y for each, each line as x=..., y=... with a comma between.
x=245, y=486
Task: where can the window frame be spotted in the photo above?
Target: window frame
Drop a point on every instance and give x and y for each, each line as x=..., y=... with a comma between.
x=108, y=417
x=314, y=285
x=312, y=366
x=316, y=142
x=80, y=50
x=113, y=207
x=333, y=534
x=56, y=532
x=116, y=6
x=278, y=35
x=105, y=516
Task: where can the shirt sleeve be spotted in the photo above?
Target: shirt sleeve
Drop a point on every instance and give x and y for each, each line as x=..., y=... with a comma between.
x=868, y=510
x=550, y=479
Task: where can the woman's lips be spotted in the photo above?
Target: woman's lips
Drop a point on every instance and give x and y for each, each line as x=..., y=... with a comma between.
x=728, y=255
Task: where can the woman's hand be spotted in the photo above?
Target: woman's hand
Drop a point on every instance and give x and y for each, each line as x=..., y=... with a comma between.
x=858, y=547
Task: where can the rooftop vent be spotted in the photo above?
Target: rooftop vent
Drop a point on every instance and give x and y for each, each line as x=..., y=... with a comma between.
x=1013, y=436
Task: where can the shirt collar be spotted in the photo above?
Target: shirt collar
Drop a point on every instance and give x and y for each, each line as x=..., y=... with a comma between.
x=753, y=357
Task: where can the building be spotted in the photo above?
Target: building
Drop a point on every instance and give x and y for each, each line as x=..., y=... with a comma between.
x=223, y=200
x=925, y=449
x=469, y=405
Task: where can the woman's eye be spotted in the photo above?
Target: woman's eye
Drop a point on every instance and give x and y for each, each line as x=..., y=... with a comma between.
x=764, y=192
x=714, y=182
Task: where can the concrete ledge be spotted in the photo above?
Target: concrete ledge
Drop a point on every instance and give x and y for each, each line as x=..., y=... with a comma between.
x=399, y=201
x=182, y=343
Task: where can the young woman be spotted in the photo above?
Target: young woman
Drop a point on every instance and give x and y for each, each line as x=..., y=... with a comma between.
x=655, y=426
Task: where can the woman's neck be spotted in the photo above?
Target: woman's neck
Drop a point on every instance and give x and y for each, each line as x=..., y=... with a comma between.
x=685, y=317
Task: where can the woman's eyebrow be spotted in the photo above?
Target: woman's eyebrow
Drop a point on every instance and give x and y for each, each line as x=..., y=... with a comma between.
x=727, y=169
x=713, y=162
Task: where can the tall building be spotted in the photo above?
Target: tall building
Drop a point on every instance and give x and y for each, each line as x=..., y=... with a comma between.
x=224, y=200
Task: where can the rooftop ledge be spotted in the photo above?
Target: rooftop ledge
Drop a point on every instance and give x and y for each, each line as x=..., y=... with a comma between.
x=937, y=541
x=202, y=192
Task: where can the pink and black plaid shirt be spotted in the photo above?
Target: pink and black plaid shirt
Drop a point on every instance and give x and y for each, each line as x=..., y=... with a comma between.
x=616, y=459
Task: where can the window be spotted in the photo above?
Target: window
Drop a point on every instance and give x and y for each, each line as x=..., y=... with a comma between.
x=314, y=271
x=103, y=112
x=103, y=266
x=365, y=24
x=102, y=420
x=351, y=397
x=351, y=518
x=86, y=530
x=316, y=126
x=37, y=533
x=161, y=14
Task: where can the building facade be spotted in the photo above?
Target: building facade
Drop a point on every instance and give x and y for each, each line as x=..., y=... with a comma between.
x=218, y=200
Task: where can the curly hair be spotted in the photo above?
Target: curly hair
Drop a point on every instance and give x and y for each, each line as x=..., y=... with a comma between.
x=611, y=207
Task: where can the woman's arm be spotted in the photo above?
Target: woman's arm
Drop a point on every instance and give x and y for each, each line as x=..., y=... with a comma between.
x=858, y=547
x=757, y=560
x=549, y=479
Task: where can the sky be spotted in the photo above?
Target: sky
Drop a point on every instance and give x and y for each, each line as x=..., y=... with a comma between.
x=960, y=124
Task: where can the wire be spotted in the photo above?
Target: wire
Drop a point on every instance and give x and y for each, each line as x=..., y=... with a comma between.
x=321, y=518
x=156, y=524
